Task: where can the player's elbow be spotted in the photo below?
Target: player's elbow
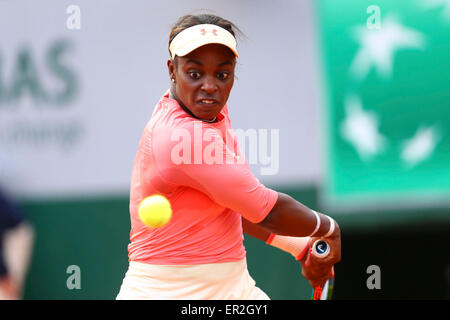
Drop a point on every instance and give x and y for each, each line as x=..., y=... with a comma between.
x=287, y=217
x=273, y=221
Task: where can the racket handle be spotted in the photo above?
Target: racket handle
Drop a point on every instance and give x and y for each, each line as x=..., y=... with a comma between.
x=317, y=293
x=320, y=248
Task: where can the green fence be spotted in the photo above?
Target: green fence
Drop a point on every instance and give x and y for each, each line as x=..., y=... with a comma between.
x=94, y=234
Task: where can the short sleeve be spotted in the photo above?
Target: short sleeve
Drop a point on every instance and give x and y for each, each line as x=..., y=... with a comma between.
x=201, y=159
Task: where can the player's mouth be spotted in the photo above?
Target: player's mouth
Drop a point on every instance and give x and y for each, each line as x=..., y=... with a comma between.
x=208, y=102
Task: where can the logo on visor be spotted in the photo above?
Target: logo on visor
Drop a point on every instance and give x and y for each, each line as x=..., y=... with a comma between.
x=213, y=31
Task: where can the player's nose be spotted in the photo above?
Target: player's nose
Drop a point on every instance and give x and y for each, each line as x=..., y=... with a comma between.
x=209, y=85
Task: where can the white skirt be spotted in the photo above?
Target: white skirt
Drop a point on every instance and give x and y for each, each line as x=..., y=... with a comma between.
x=215, y=281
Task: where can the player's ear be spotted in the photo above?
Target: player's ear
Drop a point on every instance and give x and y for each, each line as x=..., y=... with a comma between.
x=171, y=67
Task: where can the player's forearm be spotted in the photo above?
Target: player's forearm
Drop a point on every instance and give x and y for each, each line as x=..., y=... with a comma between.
x=291, y=218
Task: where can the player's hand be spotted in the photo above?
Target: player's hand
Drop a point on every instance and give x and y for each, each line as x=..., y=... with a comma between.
x=334, y=241
x=317, y=270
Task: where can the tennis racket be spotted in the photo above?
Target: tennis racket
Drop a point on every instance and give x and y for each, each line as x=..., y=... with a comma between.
x=321, y=248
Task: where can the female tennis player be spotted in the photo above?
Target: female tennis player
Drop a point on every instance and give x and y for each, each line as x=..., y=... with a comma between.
x=189, y=153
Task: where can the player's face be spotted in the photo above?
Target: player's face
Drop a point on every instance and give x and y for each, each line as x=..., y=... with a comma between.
x=203, y=79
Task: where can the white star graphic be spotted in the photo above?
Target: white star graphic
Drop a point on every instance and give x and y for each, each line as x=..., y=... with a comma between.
x=378, y=46
x=360, y=128
x=432, y=4
x=420, y=146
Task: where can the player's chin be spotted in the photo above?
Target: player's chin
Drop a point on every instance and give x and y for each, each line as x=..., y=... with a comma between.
x=208, y=112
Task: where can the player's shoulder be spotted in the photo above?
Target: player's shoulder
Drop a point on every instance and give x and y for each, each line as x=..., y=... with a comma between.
x=168, y=124
x=166, y=115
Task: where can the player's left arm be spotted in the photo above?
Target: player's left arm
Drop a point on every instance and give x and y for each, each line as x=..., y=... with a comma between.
x=313, y=269
x=255, y=230
x=296, y=246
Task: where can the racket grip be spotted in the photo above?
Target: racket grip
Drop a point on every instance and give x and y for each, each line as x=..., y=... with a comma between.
x=317, y=292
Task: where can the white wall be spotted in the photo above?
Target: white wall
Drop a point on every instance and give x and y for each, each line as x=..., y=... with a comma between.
x=117, y=61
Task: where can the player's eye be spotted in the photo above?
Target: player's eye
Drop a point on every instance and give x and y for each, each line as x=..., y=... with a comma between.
x=194, y=75
x=223, y=75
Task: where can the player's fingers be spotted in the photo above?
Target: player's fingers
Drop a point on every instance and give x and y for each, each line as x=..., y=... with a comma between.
x=316, y=274
x=317, y=283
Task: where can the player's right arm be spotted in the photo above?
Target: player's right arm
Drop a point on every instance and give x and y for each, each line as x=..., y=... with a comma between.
x=287, y=216
x=290, y=217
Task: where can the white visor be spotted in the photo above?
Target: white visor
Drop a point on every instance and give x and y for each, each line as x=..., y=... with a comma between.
x=199, y=35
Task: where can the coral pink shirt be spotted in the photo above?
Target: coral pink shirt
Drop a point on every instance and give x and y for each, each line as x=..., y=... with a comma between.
x=199, y=168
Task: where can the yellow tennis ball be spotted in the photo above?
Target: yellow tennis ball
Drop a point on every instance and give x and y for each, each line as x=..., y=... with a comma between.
x=155, y=211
